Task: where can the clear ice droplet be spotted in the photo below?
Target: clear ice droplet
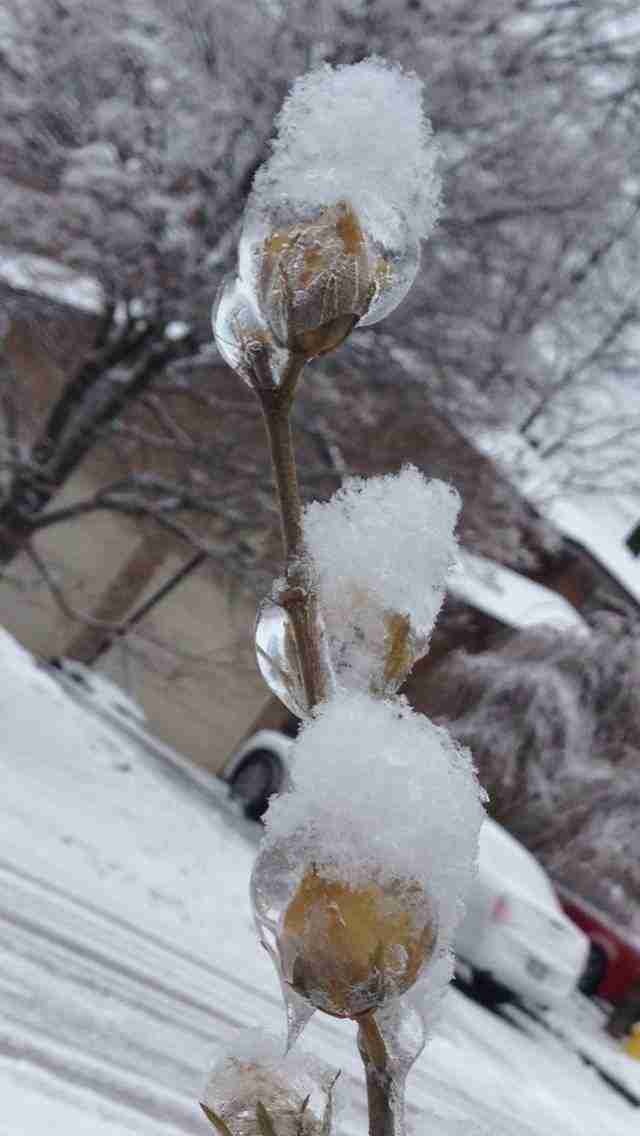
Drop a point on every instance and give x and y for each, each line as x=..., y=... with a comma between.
x=403, y=1031
x=242, y=337
x=277, y=657
x=394, y=253
x=273, y=881
x=298, y=1011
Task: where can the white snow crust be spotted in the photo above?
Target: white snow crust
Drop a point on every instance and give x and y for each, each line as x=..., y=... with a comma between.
x=381, y=793
x=129, y=961
x=379, y=546
x=358, y=132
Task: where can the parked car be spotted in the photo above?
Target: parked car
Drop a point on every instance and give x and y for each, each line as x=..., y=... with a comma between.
x=120, y=713
x=613, y=969
x=515, y=941
x=78, y=679
x=257, y=769
x=515, y=937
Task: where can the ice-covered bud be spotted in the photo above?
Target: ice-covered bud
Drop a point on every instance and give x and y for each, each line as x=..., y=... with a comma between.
x=331, y=235
x=349, y=949
x=255, y=1088
x=316, y=272
x=360, y=879
x=380, y=550
x=243, y=338
x=312, y=278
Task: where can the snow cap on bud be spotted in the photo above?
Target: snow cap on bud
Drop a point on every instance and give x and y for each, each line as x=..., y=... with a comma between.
x=254, y=1088
x=362, y=872
x=380, y=550
x=355, y=133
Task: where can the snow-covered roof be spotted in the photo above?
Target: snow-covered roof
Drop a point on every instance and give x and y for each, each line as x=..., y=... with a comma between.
x=601, y=526
x=599, y=522
x=508, y=596
x=45, y=277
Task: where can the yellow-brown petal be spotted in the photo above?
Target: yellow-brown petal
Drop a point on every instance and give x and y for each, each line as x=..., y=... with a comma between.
x=349, y=949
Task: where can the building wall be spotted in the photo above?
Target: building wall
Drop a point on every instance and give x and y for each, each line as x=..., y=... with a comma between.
x=190, y=663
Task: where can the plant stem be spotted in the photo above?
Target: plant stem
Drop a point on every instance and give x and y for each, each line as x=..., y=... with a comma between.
x=278, y=428
x=385, y=1091
x=298, y=600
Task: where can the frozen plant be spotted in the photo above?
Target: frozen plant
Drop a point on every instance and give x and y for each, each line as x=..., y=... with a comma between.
x=357, y=886
x=332, y=229
x=379, y=569
x=254, y=1090
x=360, y=880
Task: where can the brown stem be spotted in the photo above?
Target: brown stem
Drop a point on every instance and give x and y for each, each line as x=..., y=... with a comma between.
x=278, y=426
x=299, y=600
x=385, y=1091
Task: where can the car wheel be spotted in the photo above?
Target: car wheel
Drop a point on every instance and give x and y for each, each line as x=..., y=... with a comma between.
x=488, y=992
x=256, y=778
x=595, y=969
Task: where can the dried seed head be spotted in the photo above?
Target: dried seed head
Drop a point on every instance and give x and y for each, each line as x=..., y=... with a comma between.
x=255, y=1091
x=349, y=949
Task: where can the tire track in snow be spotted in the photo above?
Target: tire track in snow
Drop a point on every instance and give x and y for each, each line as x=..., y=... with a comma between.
x=150, y=1015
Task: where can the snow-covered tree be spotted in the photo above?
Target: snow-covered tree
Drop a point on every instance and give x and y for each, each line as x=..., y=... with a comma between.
x=553, y=719
x=128, y=143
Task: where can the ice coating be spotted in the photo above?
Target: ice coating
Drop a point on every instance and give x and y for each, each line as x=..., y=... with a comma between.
x=332, y=228
x=381, y=549
x=379, y=793
x=277, y=657
x=358, y=132
x=255, y=1068
x=242, y=337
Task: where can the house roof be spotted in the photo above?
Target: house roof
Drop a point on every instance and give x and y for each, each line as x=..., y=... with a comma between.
x=601, y=526
x=41, y=276
x=599, y=523
x=508, y=596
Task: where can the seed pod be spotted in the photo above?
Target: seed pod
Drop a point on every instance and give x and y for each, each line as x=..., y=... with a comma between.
x=350, y=949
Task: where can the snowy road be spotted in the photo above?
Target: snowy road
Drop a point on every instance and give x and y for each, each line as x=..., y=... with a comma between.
x=127, y=957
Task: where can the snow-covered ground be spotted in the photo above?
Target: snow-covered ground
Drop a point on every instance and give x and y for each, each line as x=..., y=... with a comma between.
x=128, y=957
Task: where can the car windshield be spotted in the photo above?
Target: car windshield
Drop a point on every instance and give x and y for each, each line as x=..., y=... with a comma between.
x=501, y=854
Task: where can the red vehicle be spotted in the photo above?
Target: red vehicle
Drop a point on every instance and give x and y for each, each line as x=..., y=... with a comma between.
x=613, y=968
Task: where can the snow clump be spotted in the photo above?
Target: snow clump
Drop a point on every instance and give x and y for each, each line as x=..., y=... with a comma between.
x=357, y=132
x=380, y=550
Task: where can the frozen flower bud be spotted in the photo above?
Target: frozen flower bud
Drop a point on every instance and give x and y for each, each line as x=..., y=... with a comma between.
x=314, y=280
x=255, y=1088
x=350, y=949
x=332, y=230
x=359, y=882
x=315, y=272
x=379, y=551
